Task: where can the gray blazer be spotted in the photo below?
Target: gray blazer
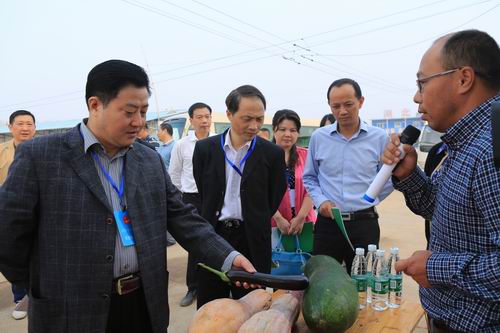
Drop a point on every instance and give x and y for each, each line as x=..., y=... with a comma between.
x=57, y=231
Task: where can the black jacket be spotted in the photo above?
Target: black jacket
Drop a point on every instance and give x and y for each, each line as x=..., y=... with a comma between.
x=262, y=188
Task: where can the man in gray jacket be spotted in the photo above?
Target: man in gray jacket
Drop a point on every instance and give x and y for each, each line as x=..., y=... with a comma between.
x=83, y=219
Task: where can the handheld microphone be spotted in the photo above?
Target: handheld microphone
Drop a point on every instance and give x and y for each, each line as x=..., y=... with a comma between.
x=409, y=136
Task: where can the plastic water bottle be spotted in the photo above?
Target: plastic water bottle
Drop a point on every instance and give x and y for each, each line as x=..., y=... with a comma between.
x=380, y=283
x=395, y=280
x=358, y=273
x=370, y=260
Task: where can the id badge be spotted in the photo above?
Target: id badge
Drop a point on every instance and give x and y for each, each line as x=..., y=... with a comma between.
x=124, y=227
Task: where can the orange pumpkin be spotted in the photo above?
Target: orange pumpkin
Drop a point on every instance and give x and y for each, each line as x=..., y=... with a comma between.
x=226, y=315
x=279, y=318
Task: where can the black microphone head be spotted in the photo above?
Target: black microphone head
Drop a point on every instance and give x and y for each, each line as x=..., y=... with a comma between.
x=409, y=135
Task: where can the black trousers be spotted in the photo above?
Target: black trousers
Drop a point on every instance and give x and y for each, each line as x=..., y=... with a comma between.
x=210, y=286
x=191, y=279
x=438, y=326
x=128, y=314
x=328, y=239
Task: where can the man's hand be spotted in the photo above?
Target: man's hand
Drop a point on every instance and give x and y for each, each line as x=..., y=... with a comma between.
x=416, y=267
x=282, y=224
x=296, y=225
x=240, y=262
x=326, y=209
x=392, y=155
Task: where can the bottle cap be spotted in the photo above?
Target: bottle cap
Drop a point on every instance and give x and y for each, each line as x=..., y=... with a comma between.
x=380, y=253
x=394, y=250
x=372, y=248
x=360, y=251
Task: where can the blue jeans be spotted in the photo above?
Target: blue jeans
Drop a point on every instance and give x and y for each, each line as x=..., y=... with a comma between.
x=18, y=292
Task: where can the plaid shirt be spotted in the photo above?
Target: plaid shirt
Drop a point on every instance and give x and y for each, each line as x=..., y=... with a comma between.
x=463, y=201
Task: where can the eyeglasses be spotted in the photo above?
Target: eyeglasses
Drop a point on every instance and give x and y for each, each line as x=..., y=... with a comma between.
x=420, y=82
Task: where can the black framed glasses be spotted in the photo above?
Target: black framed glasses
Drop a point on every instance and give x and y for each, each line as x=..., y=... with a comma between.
x=420, y=82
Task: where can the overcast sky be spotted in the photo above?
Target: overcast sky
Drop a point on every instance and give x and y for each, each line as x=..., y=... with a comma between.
x=199, y=50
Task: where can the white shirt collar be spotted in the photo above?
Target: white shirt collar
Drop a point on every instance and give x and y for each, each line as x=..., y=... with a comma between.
x=192, y=136
x=229, y=144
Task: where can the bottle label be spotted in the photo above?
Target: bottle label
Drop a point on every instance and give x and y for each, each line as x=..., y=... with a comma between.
x=369, y=280
x=360, y=282
x=380, y=286
x=396, y=283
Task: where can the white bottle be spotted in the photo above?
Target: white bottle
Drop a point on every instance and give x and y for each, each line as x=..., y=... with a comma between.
x=395, y=280
x=370, y=260
x=358, y=273
x=380, y=283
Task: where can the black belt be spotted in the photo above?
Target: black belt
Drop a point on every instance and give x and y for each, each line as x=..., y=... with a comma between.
x=368, y=213
x=126, y=284
x=193, y=194
x=231, y=223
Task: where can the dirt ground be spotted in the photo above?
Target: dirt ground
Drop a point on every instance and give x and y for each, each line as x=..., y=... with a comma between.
x=399, y=227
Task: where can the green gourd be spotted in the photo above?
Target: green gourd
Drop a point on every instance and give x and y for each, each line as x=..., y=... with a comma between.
x=330, y=303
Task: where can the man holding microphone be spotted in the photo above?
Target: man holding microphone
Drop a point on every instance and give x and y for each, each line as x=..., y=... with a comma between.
x=458, y=81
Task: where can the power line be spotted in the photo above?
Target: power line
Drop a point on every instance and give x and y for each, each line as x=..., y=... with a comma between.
x=242, y=22
x=42, y=99
x=381, y=81
x=412, y=44
x=244, y=52
x=398, y=24
x=161, y=13
x=186, y=22
x=220, y=67
x=270, y=56
x=256, y=49
x=220, y=23
x=356, y=24
x=269, y=33
x=27, y=106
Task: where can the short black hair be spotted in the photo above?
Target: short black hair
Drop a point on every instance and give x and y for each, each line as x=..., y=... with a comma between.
x=330, y=117
x=234, y=97
x=476, y=49
x=197, y=106
x=107, y=79
x=165, y=126
x=265, y=129
x=341, y=82
x=20, y=113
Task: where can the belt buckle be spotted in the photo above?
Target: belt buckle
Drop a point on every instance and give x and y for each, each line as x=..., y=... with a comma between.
x=119, y=283
x=347, y=216
x=232, y=223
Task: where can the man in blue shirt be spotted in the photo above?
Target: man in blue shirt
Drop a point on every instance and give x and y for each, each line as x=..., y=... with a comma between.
x=459, y=276
x=147, y=139
x=342, y=162
x=167, y=142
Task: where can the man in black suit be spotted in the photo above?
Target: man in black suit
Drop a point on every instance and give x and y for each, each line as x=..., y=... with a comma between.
x=241, y=181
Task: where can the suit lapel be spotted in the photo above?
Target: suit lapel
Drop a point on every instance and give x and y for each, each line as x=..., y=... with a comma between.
x=253, y=159
x=220, y=160
x=132, y=169
x=84, y=166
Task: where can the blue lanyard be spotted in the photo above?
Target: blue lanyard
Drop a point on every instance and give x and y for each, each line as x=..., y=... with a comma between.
x=120, y=191
x=108, y=177
x=249, y=152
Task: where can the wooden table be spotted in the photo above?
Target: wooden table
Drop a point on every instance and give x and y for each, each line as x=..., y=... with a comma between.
x=401, y=320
